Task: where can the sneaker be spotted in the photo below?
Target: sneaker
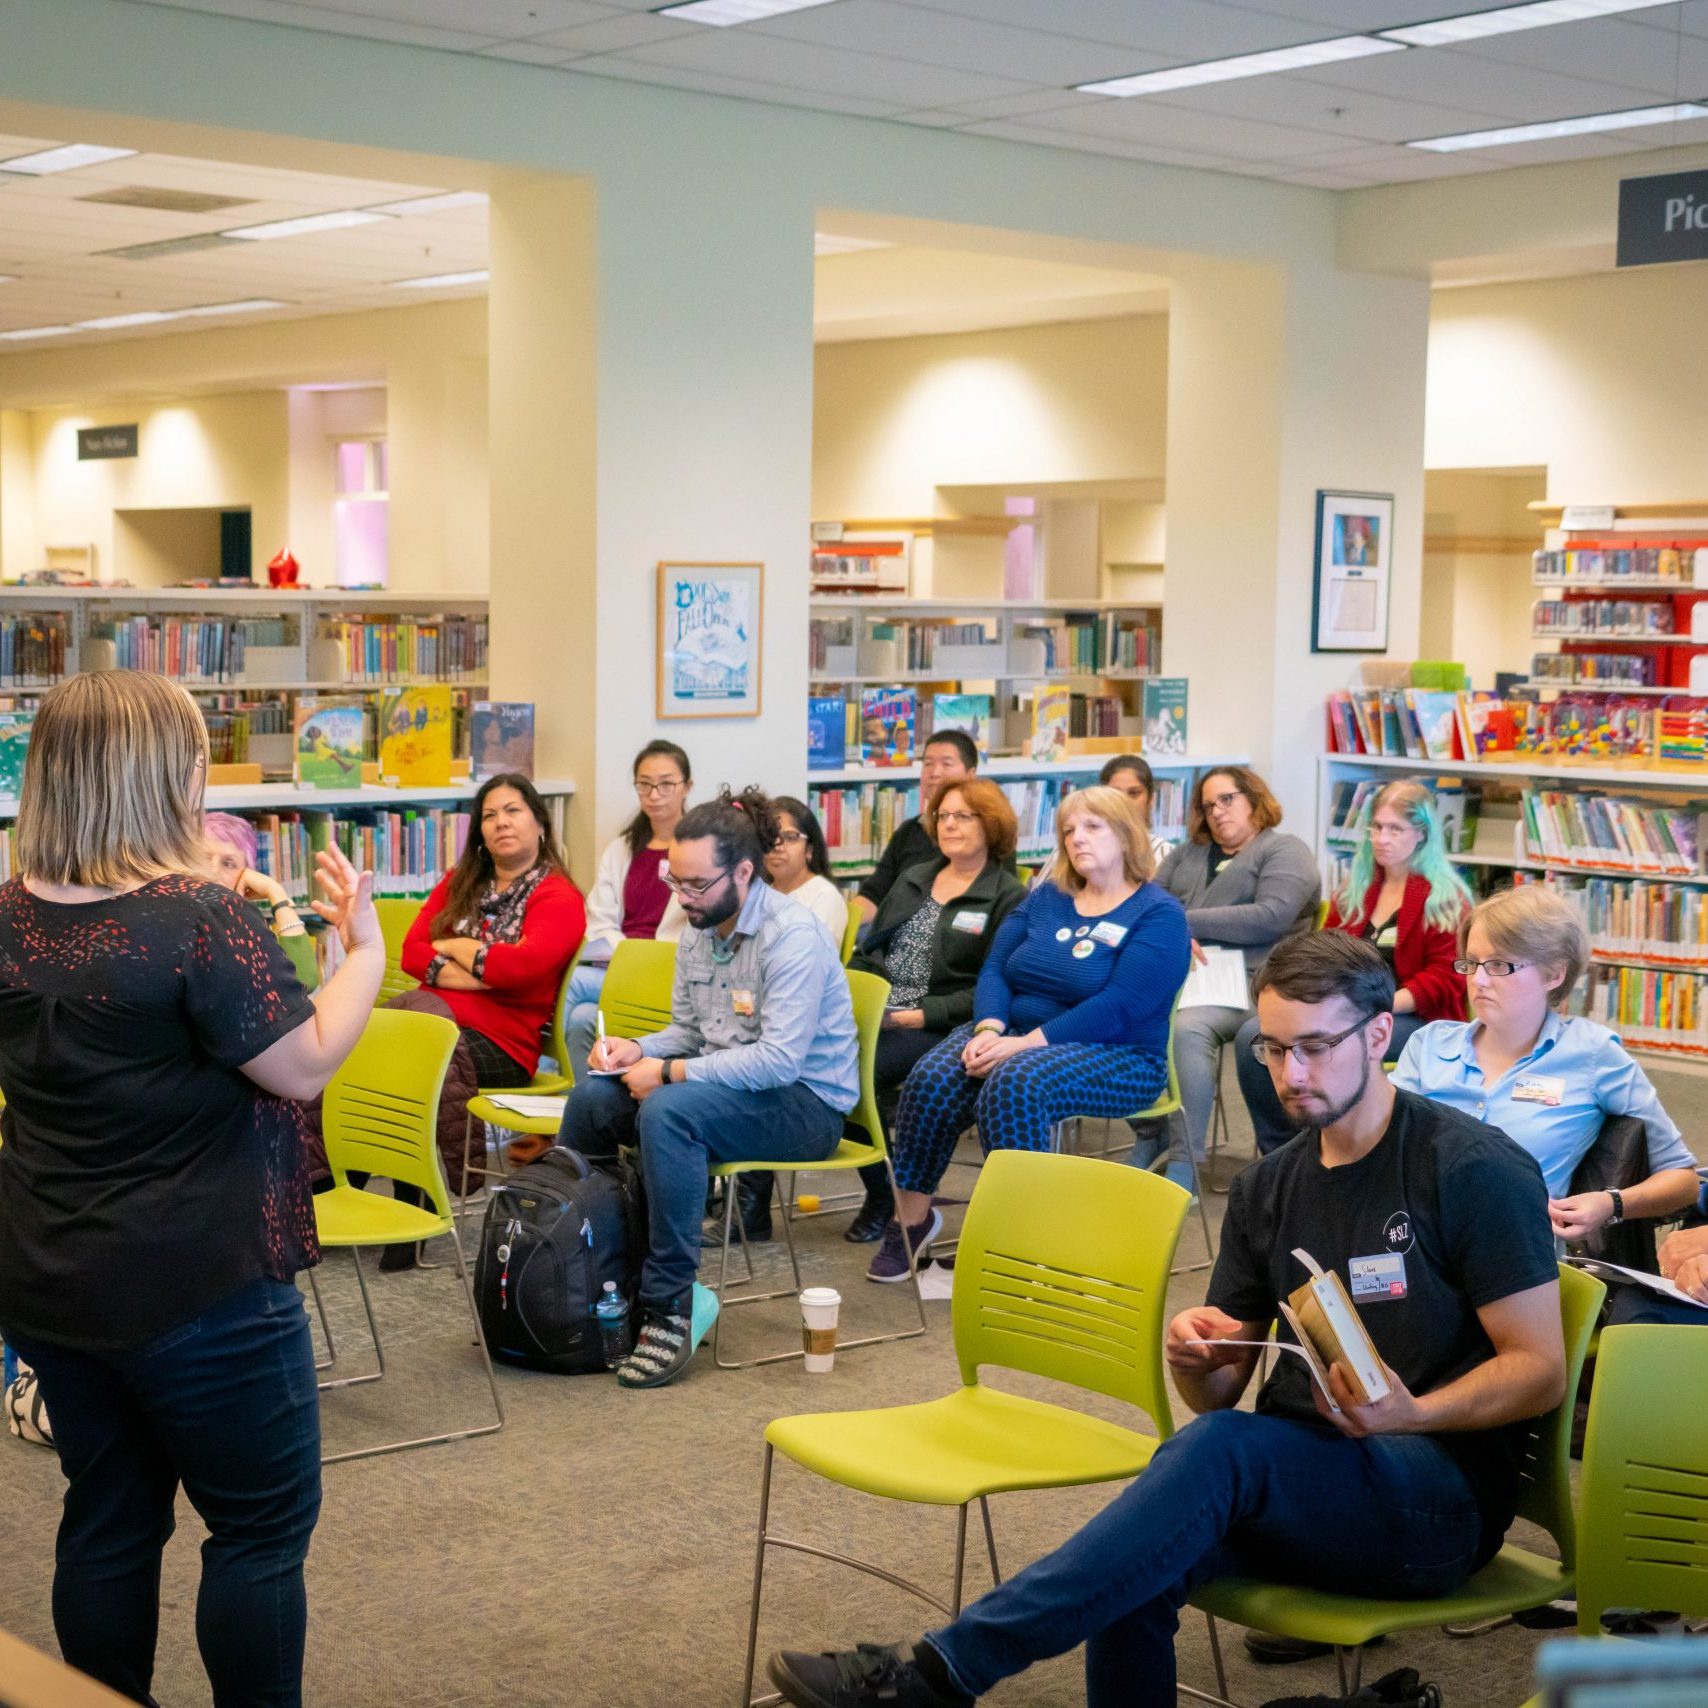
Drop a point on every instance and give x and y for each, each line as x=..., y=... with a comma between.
x=1272, y=1650
x=661, y=1354
x=872, y=1676
x=890, y=1265
x=870, y=1220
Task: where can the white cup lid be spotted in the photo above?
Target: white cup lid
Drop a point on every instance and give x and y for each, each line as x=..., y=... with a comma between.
x=821, y=1296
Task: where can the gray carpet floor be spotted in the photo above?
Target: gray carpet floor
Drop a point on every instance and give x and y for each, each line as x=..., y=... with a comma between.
x=599, y=1550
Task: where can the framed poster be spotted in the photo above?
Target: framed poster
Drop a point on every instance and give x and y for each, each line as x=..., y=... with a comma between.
x=1354, y=561
x=710, y=619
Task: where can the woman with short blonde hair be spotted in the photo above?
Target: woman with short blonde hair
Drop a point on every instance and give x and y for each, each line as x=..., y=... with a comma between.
x=153, y=1205
x=1115, y=810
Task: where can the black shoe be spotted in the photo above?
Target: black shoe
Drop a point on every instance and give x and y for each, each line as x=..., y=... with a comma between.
x=755, y=1214
x=399, y=1257
x=1401, y=1688
x=870, y=1219
x=662, y=1352
x=1271, y=1650
x=872, y=1676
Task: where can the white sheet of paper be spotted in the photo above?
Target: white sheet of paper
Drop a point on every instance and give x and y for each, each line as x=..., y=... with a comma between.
x=537, y=1108
x=1220, y=982
x=936, y=1282
x=1656, y=1284
x=1318, y=1375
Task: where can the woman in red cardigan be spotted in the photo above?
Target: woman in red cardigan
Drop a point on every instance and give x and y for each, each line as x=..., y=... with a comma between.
x=490, y=947
x=1404, y=898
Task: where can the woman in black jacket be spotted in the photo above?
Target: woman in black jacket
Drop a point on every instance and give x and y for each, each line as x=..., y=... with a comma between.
x=929, y=940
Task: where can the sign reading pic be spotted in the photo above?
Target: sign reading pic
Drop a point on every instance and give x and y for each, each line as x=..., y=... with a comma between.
x=1663, y=218
x=96, y=443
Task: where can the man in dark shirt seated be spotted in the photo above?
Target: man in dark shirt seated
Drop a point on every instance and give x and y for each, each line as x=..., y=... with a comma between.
x=948, y=757
x=1438, y=1226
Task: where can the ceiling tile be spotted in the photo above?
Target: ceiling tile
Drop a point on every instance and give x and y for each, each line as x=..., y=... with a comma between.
x=1358, y=17
x=486, y=18
x=1020, y=106
x=301, y=15
x=1651, y=63
x=1691, y=19
x=627, y=30
x=1171, y=126
x=527, y=53
x=1176, y=30
x=636, y=71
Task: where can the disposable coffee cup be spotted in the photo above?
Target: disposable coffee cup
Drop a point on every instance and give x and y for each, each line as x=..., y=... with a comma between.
x=819, y=1306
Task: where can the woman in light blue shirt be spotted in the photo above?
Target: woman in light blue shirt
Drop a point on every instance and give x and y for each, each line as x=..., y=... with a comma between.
x=1546, y=1079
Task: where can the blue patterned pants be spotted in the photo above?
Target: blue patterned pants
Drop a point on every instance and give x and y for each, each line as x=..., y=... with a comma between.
x=1017, y=1104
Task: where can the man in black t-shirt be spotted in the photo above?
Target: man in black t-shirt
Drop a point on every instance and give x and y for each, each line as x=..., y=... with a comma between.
x=1438, y=1227
x=947, y=757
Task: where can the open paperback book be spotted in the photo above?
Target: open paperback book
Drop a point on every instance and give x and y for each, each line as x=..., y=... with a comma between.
x=1326, y=1324
x=1602, y=1270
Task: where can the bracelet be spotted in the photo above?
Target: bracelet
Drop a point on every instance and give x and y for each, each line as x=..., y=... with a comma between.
x=989, y=1026
x=1618, y=1207
x=286, y=902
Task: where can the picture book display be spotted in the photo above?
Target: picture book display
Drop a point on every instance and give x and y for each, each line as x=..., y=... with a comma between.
x=1165, y=715
x=501, y=738
x=328, y=744
x=14, y=745
x=969, y=713
x=415, y=737
x=886, y=725
x=1052, y=716
x=827, y=732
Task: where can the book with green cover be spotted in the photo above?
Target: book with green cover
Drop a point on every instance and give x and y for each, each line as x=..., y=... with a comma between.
x=328, y=743
x=14, y=745
x=969, y=713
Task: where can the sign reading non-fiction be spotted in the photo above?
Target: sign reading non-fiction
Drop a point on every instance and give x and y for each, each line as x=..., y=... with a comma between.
x=1663, y=217
x=95, y=444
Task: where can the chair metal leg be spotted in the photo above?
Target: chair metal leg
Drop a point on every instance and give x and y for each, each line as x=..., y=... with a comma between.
x=325, y=1327
x=1203, y=1217
x=1357, y=1671
x=990, y=1542
x=373, y=1334
x=1216, y=1655
x=758, y=1578
x=960, y=1559
x=1340, y=1670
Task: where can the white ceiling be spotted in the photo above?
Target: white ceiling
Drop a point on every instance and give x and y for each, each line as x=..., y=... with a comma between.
x=52, y=241
x=1006, y=68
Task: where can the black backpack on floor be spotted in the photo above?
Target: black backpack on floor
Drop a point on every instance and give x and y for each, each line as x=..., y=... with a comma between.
x=555, y=1232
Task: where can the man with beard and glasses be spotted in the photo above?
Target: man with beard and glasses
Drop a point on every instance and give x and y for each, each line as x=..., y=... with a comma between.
x=760, y=1061
x=1438, y=1225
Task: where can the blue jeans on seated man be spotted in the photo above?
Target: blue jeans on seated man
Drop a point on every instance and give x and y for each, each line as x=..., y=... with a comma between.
x=682, y=1130
x=226, y=1405
x=581, y=1013
x=1232, y=1492
x=1268, y=1119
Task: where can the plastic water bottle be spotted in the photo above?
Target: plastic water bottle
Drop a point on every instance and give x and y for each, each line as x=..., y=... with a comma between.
x=612, y=1312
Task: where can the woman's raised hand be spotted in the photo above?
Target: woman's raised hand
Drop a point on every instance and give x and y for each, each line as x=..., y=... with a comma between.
x=349, y=904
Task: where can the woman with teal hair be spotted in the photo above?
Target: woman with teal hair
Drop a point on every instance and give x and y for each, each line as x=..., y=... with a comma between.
x=1403, y=897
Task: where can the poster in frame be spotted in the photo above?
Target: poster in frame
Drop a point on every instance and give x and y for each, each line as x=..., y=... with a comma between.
x=710, y=623
x=1353, y=569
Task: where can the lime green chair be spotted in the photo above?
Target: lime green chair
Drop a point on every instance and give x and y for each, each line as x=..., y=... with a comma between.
x=850, y=934
x=868, y=993
x=396, y=914
x=1513, y=1580
x=1063, y=1273
x=380, y=1116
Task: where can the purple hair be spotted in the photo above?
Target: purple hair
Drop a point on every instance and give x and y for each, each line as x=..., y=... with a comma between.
x=235, y=832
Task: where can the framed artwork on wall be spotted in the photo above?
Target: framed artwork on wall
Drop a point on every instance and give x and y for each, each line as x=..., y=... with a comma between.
x=710, y=621
x=1354, y=563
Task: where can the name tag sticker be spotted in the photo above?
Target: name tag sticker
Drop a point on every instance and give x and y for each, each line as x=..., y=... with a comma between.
x=1109, y=933
x=1537, y=1088
x=972, y=922
x=1382, y=1277
x=742, y=1002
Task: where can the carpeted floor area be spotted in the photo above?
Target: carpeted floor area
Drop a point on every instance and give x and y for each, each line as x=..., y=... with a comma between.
x=599, y=1551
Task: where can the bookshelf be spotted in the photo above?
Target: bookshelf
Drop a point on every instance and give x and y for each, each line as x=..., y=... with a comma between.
x=1626, y=844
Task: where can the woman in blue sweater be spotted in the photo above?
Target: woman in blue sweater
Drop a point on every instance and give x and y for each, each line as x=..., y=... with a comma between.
x=1070, y=1015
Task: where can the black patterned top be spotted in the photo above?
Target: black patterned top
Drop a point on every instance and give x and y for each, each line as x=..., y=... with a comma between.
x=143, y=1178
x=909, y=956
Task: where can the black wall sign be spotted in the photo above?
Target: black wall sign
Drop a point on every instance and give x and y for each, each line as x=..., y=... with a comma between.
x=95, y=443
x=1664, y=218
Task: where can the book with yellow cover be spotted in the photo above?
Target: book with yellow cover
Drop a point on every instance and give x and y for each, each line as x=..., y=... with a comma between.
x=1321, y=1313
x=415, y=737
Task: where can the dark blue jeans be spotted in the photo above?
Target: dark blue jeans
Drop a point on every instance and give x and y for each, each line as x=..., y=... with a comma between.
x=226, y=1405
x=1232, y=1492
x=682, y=1130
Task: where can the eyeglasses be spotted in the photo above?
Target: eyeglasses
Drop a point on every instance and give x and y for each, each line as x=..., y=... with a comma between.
x=790, y=836
x=956, y=817
x=1221, y=803
x=1495, y=969
x=695, y=888
x=649, y=789
x=1307, y=1050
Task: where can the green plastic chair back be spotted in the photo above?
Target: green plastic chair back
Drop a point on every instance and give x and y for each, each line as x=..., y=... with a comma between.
x=382, y=1108
x=850, y=933
x=636, y=995
x=869, y=994
x=1170, y=1099
x=1063, y=1272
x=396, y=914
x=1645, y=1474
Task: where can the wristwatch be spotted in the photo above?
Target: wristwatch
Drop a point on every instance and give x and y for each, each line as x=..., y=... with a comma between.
x=1618, y=1207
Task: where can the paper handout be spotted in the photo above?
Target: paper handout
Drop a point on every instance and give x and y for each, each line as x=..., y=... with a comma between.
x=1218, y=981
x=536, y=1108
x=1602, y=1270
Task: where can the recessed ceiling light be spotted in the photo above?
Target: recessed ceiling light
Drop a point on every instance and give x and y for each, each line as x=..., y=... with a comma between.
x=1275, y=60
x=249, y=305
x=111, y=322
x=305, y=226
x=169, y=246
x=1633, y=119
x=433, y=204
x=1538, y=15
x=66, y=159
x=38, y=332
x=723, y=12
x=434, y=281
x=828, y=243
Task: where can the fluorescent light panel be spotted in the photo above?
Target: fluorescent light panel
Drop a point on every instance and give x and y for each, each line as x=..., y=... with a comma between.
x=63, y=159
x=437, y=281
x=37, y=332
x=433, y=204
x=249, y=305
x=305, y=226
x=828, y=243
x=1299, y=58
x=145, y=317
x=1634, y=119
x=1540, y=14
x=111, y=322
x=726, y=12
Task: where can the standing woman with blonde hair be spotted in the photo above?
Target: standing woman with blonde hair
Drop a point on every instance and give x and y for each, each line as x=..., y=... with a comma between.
x=154, y=1043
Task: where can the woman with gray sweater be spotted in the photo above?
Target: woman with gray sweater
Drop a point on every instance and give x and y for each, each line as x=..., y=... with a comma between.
x=1245, y=885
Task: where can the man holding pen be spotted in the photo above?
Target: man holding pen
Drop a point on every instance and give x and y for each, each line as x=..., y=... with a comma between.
x=760, y=1061
x=1439, y=1227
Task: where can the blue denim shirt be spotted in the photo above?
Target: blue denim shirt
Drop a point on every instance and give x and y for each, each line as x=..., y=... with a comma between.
x=767, y=1006
x=1551, y=1101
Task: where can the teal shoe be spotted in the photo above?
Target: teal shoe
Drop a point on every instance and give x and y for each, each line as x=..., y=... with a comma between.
x=704, y=1313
